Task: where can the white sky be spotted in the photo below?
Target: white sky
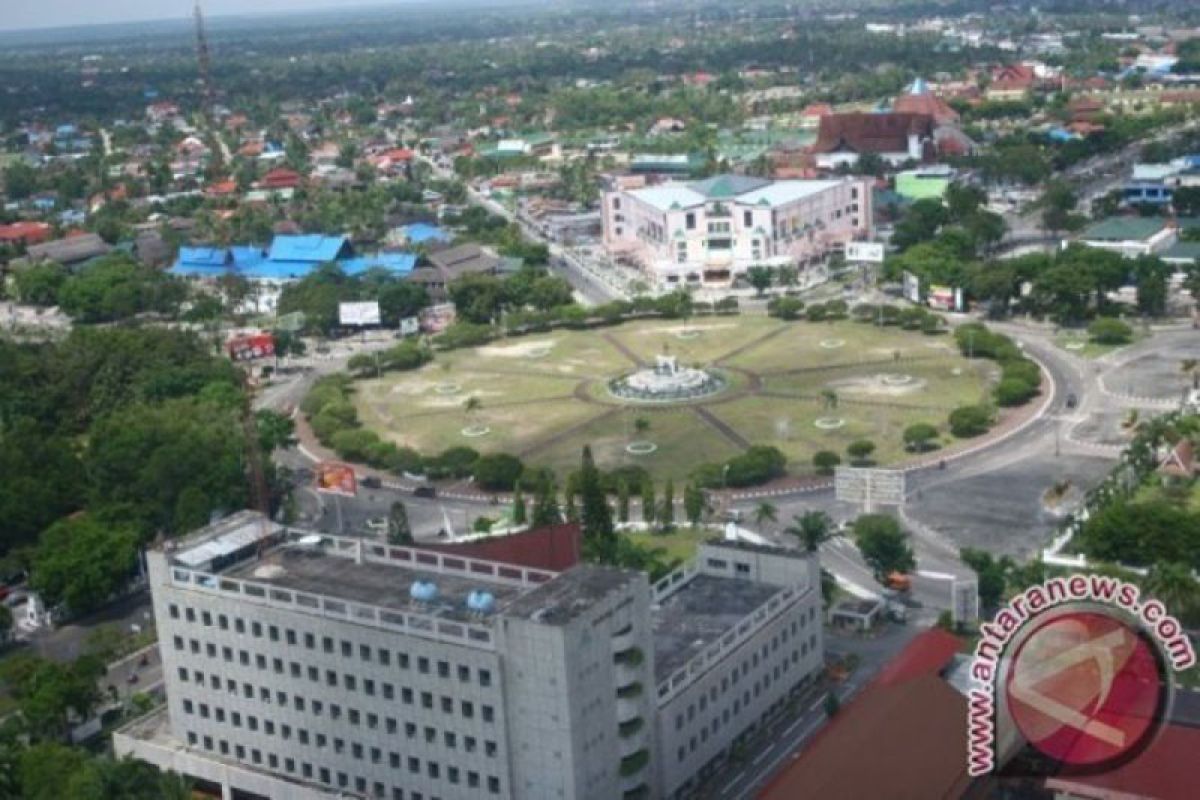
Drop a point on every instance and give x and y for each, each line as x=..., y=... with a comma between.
x=18, y=14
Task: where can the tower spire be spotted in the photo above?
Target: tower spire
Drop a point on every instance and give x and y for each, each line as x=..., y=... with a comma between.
x=202, y=57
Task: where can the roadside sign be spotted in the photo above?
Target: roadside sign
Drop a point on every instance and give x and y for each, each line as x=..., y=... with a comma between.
x=870, y=252
x=335, y=478
x=410, y=326
x=359, y=314
x=868, y=486
x=965, y=608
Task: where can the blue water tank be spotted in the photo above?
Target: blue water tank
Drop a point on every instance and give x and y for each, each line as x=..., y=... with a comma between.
x=482, y=602
x=423, y=591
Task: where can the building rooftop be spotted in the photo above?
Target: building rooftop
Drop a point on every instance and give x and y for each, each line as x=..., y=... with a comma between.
x=698, y=614
x=321, y=572
x=734, y=188
x=559, y=601
x=1124, y=229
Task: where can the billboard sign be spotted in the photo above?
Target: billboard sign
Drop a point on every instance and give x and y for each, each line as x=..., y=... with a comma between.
x=359, y=314
x=945, y=298
x=912, y=287
x=870, y=252
x=436, y=319
x=335, y=478
x=869, y=487
x=410, y=326
x=251, y=346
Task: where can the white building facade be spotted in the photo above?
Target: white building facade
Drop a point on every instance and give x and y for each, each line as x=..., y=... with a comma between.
x=710, y=232
x=302, y=666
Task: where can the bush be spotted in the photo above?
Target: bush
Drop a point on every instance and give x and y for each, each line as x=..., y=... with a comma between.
x=1022, y=370
x=860, y=450
x=968, y=421
x=931, y=325
x=498, y=472
x=405, y=459
x=826, y=461
x=786, y=308
x=464, y=334
x=354, y=444
x=816, y=313
x=759, y=464
x=457, y=462
x=1110, y=331
x=404, y=356
x=920, y=436
x=1013, y=392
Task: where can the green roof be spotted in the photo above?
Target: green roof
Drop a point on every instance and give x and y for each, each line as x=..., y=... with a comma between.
x=1182, y=251
x=1124, y=229
x=728, y=185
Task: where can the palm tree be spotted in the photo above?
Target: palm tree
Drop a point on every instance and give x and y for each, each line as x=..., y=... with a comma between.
x=1172, y=584
x=812, y=528
x=765, y=513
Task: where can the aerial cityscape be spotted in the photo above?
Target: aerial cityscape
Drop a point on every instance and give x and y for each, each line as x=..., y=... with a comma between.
x=654, y=400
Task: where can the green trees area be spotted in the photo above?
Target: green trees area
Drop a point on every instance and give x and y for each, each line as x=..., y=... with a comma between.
x=318, y=294
x=112, y=288
x=110, y=438
x=949, y=245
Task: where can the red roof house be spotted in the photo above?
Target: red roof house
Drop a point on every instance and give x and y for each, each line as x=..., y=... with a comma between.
x=25, y=233
x=281, y=178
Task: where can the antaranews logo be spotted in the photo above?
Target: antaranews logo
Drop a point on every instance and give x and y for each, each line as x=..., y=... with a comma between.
x=1076, y=667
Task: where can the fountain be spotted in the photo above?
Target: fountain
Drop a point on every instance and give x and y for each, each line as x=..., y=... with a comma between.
x=667, y=382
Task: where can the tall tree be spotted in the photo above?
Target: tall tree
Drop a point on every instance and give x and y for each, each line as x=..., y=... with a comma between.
x=545, y=506
x=622, y=500
x=812, y=528
x=765, y=514
x=595, y=515
x=648, y=503
x=519, y=513
x=399, y=529
x=667, y=515
x=884, y=545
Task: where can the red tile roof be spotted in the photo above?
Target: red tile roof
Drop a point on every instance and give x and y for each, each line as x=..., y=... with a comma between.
x=925, y=103
x=871, y=133
x=25, y=232
x=911, y=722
x=1165, y=771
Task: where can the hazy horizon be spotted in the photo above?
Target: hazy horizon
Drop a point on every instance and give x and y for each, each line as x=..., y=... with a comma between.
x=50, y=14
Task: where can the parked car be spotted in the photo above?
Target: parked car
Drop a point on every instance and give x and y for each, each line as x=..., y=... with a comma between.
x=371, y=482
x=425, y=491
x=1072, y=400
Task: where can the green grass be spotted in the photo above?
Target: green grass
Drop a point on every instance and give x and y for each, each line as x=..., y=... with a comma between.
x=530, y=389
x=680, y=543
x=1090, y=349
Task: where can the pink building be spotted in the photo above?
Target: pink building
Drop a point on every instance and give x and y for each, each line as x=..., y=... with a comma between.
x=707, y=233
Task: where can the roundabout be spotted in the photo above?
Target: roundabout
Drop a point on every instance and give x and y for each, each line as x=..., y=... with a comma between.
x=641, y=395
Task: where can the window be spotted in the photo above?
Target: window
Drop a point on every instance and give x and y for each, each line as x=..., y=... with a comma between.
x=290, y=635
x=347, y=649
x=256, y=630
x=690, y=220
x=468, y=709
x=273, y=633
x=423, y=665
x=488, y=714
x=385, y=657
x=485, y=677
x=747, y=219
x=616, y=204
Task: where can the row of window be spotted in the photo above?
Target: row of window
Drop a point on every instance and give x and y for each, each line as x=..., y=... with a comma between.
x=453, y=775
x=318, y=708
x=780, y=670
x=327, y=644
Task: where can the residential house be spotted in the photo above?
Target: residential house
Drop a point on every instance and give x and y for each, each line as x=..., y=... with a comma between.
x=1011, y=83
x=71, y=251
x=25, y=233
x=447, y=266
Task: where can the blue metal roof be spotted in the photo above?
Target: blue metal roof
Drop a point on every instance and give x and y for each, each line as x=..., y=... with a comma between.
x=204, y=256
x=253, y=262
x=420, y=232
x=313, y=249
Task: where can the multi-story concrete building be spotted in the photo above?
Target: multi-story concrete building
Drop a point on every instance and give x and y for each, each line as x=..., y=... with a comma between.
x=710, y=232
x=306, y=666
